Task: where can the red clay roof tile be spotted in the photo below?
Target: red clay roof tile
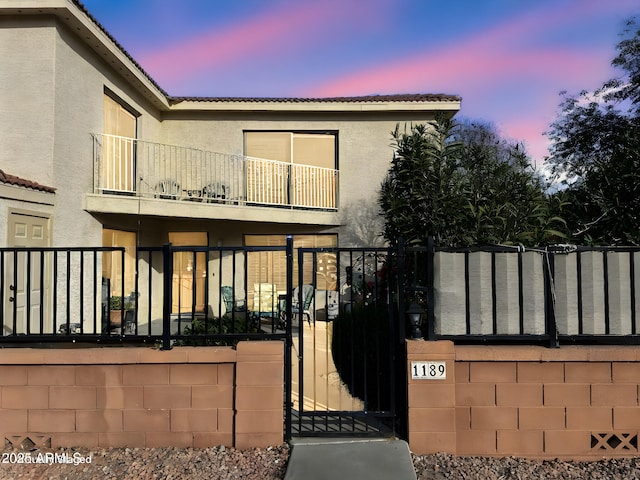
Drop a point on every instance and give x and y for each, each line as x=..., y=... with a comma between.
x=403, y=97
x=21, y=182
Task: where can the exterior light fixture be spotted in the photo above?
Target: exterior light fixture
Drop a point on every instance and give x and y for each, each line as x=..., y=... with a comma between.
x=414, y=314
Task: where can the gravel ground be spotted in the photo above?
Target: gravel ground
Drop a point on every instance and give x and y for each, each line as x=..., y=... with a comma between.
x=442, y=466
x=151, y=463
x=271, y=463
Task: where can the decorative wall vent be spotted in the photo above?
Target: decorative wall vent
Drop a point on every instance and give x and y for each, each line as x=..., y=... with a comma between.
x=24, y=442
x=616, y=442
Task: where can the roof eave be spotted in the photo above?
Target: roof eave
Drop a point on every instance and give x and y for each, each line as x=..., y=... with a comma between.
x=257, y=106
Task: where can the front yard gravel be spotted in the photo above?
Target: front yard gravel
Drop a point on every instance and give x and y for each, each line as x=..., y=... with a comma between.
x=442, y=466
x=271, y=463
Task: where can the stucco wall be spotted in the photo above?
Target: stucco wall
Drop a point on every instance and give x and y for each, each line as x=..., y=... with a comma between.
x=27, y=83
x=51, y=95
x=574, y=402
x=364, y=139
x=140, y=397
x=80, y=81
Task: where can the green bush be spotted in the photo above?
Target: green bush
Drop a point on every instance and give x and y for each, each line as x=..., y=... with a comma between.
x=361, y=349
x=226, y=325
x=116, y=302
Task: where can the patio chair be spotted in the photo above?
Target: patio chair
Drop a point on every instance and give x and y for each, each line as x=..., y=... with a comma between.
x=214, y=192
x=230, y=303
x=167, y=189
x=307, y=299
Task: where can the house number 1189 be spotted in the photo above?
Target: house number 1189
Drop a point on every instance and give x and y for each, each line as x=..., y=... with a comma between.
x=428, y=370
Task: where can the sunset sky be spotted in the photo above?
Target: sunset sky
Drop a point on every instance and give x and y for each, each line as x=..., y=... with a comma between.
x=508, y=59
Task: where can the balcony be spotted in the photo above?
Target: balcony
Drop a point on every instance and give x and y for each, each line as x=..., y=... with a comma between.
x=137, y=168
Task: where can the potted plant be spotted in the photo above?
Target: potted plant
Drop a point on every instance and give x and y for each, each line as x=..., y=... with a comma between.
x=116, y=311
x=118, y=308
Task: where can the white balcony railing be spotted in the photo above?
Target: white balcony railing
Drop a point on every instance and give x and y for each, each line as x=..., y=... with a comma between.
x=136, y=167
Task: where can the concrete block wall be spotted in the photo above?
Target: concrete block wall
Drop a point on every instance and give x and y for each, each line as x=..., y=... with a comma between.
x=575, y=402
x=259, y=394
x=140, y=397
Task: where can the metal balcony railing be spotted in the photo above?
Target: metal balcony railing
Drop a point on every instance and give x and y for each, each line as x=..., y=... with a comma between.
x=135, y=167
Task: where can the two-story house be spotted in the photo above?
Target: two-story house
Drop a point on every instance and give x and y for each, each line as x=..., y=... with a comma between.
x=126, y=164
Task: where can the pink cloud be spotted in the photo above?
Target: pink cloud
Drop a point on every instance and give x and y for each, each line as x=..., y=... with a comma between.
x=531, y=129
x=196, y=53
x=455, y=71
x=498, y=73
x=273, y=33
x=479, y=58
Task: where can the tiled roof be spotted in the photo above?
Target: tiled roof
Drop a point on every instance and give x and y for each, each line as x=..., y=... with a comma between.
x=21, y=182
x=403, y=97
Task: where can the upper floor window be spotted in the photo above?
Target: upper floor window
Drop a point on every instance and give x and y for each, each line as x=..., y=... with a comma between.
x=301, y=148
x=118, y=159
x=118, y=120
x=292, y=168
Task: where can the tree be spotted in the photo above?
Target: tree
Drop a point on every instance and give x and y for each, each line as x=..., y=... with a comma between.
x=628, y=60
x=596, y=150
x=415, y=196
x=465, y=185
x=362, y=224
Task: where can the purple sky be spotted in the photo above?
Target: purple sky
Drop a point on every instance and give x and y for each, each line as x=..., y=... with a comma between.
x=508, y=59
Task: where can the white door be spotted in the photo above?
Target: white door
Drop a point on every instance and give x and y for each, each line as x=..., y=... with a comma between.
x=27, y=280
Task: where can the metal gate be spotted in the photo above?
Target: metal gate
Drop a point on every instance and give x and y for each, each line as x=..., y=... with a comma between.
x=344, y=354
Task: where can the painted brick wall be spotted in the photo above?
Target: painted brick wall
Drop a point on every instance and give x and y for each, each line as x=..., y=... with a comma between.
x=573, y=402
x=140, y=397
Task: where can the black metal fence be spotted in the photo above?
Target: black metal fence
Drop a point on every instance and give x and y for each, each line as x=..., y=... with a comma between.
x=347, y=345
x=499, y=294
x=51, y=292
x=160, y=295
x=219, y=295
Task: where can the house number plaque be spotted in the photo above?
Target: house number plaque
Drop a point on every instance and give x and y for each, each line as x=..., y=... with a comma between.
x=428, y=370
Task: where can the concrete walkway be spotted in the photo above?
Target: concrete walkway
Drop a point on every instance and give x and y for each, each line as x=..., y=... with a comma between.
x=355, y=459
